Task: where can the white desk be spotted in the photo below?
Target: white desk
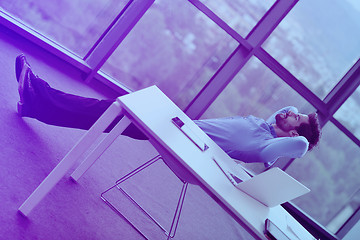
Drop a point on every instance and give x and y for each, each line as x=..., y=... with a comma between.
x=152, y=112
x=154, y=115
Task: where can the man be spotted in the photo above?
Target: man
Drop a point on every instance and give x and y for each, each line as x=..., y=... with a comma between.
x=285, y=134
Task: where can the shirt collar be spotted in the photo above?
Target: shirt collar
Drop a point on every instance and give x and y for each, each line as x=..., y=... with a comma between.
x=272, y=130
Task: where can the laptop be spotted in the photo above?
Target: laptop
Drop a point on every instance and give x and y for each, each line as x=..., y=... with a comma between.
x=270, y=188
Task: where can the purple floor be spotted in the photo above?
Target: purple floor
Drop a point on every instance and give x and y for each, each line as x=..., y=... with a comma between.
x=31, y=149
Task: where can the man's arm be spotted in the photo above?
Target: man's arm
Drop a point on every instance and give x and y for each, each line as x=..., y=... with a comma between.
x=292, y=147
x=272, y=120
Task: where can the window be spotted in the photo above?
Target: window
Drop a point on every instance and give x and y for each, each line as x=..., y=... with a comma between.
x=76, y=25
x=318, y=42
x=173, y=46
x=241, y=15
x=257, y=91
x=348, y=114
x=331, y=172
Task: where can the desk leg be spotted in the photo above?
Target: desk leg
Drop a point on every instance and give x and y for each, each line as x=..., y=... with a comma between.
x=66, y=163
x=100, y=149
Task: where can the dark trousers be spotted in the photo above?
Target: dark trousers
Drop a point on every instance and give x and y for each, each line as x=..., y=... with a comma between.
x=55, y=107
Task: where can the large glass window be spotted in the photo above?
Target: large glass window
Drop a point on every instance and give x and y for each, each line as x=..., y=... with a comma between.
x=173, y=46
x=241, y=15
x=318, y=41
x=331, y=172
x=348, y=113
x=76, y=25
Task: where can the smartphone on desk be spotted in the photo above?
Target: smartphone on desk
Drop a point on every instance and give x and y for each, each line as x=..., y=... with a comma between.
x=189, y=133
x=273, y=232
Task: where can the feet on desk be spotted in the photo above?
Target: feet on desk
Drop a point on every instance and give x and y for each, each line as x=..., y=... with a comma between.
x=23, y=76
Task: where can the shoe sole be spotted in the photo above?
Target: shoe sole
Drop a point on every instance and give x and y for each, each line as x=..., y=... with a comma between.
x=21, y=86
x=18, y=66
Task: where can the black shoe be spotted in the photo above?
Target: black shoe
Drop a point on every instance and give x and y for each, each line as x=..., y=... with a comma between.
x=19, y=65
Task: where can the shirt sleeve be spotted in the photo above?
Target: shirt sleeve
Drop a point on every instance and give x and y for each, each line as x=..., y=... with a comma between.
x=292, y=147
x=272, y=120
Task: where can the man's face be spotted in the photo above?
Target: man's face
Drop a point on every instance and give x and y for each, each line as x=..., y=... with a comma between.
x=289, y=121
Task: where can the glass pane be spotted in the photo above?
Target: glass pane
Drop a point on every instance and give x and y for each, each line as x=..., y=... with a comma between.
x=241, y=15
x=348, y=113
x=331, y=171
x=76, y=25
x=173, y=46
x=256, y=91
x=318, y=42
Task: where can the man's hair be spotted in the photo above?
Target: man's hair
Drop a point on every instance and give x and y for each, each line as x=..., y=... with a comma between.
x=311, y=131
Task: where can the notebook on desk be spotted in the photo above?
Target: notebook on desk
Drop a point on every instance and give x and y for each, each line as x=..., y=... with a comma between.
x=271, y=188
